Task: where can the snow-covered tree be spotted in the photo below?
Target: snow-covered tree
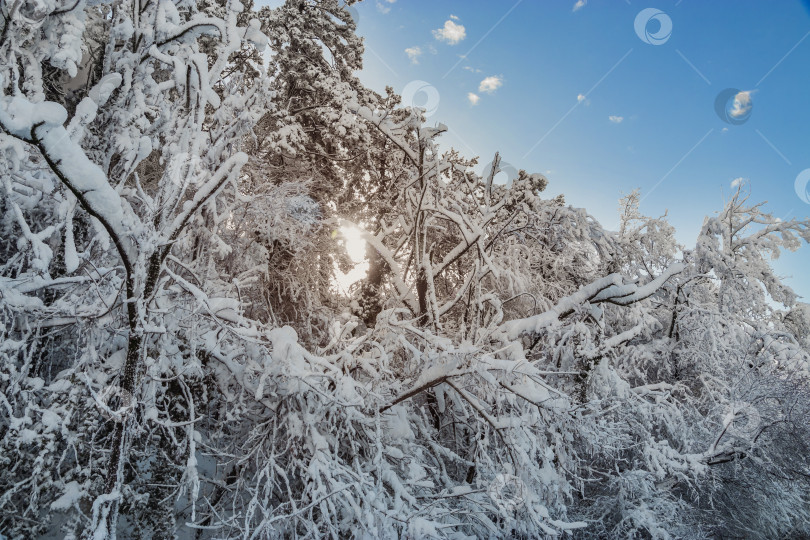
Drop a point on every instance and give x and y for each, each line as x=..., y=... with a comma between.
x=176, y=360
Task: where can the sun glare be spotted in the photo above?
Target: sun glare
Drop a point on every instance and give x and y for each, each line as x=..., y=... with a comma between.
x=356, y=249
x=355, y=245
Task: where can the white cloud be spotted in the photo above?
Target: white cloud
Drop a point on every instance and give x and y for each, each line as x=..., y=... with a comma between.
x=454, y=17
x=616, y=119
x=414, y=53
x=724, y=130
x=473, y=98
x=742, y=104
x=580, y=97
x=490, y=84
x=471, y=69
x=452, y=33
x=382, y=8
x=580, y=4
x=737, y=182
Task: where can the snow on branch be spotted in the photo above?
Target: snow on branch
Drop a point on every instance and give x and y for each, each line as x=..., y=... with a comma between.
x=41, y=124
x=624, y=295
x=606, y=289
x=227, y=172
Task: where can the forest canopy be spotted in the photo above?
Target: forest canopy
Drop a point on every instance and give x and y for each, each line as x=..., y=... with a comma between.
x=177, y=359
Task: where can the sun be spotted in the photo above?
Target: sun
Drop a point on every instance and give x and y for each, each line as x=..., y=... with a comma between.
x=356, y=249
x=355, y=245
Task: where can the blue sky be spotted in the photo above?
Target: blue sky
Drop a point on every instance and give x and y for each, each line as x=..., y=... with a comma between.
x=563, y=73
